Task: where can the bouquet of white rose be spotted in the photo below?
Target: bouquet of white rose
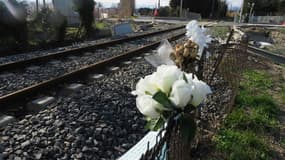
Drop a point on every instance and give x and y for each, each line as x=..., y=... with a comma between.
x=170, y=94
x=167, y=92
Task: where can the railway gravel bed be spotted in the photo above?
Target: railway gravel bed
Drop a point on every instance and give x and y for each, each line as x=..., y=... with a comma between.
x=18, y=79
x=29, y=55
x=98, y=122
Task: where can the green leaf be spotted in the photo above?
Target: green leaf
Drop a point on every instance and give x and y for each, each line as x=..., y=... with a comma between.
x=162, y=98
x=187, y=127
x=147, y=93
x=189, y=108
x=185, y=78
x=166, y=114
x=155, y=124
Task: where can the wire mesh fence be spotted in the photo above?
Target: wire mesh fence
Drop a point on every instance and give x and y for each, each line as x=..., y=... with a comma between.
x=225, y=62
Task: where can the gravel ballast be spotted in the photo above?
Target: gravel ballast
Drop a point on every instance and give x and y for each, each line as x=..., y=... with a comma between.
x=100, y=121
x=19, y=79
x=29, y=55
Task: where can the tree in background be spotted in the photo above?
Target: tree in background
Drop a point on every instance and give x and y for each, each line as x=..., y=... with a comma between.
x=59, y=24
x=164, y=11
x=13, y=20
x=282, y=7
x=85, y=9
x=47, y=25
x=222, y=9
x=262, y=7
x=204, y=7
x=145, y=11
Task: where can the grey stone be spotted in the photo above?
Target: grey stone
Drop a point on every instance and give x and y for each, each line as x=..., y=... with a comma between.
x=138, y=58
x=58, y=123
x=5, y=138
x=96, y=77
x=61, y=49
x=17, y=158
x=122, y=29
x=38, y=155
x=21, y=137
x=5, y=120
x=25, y=144
x=24, y=121
x=6, y=75
x=147, y=54
x=72, y=88
x=85, y=149
x=79, y=130
x=33, y=68
x=127, y=62
x=40, y=104
x=70, y=137
x=73, y=58
x=114, y=68
x=80, y=155
x=88, y=54
x=55, y=62
x=19, y=152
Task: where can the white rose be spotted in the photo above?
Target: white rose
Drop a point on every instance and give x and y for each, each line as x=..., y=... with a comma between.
x=200, y=92
x=148, y=106
x=165, y=76
x=190, y=77
x=145, y=85
x=181, y=93
x=197, y=35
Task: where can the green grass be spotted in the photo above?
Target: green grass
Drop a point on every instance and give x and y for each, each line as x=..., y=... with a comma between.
x=242, y=145
x=100, y=25
x=256, y=80
x=283, y=142
x=219, y=32
x=254, y=118
x=282, y=94
x=282, y=30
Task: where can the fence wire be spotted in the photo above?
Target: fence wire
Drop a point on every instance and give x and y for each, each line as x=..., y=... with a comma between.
x=225, y=62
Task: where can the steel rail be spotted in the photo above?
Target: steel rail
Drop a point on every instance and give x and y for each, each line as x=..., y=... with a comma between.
x=274, y=57
x=59, y=54
x=25, y=93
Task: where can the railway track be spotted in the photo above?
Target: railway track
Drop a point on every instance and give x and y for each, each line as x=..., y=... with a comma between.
x=100, y=121
x=24, y=74
x=9, y=63
x=25, y=93
x=77, y=125
x=260, y=52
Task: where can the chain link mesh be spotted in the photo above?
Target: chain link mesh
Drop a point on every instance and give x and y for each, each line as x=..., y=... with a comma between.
x=226, y=62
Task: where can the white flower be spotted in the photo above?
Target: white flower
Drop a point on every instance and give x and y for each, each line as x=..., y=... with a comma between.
x=197, y=35
x=200, y=92
x=181, y=93
x=164, y=51
x=146, y=86
x=190, y=77
x=148, y=106
x=165, y=76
